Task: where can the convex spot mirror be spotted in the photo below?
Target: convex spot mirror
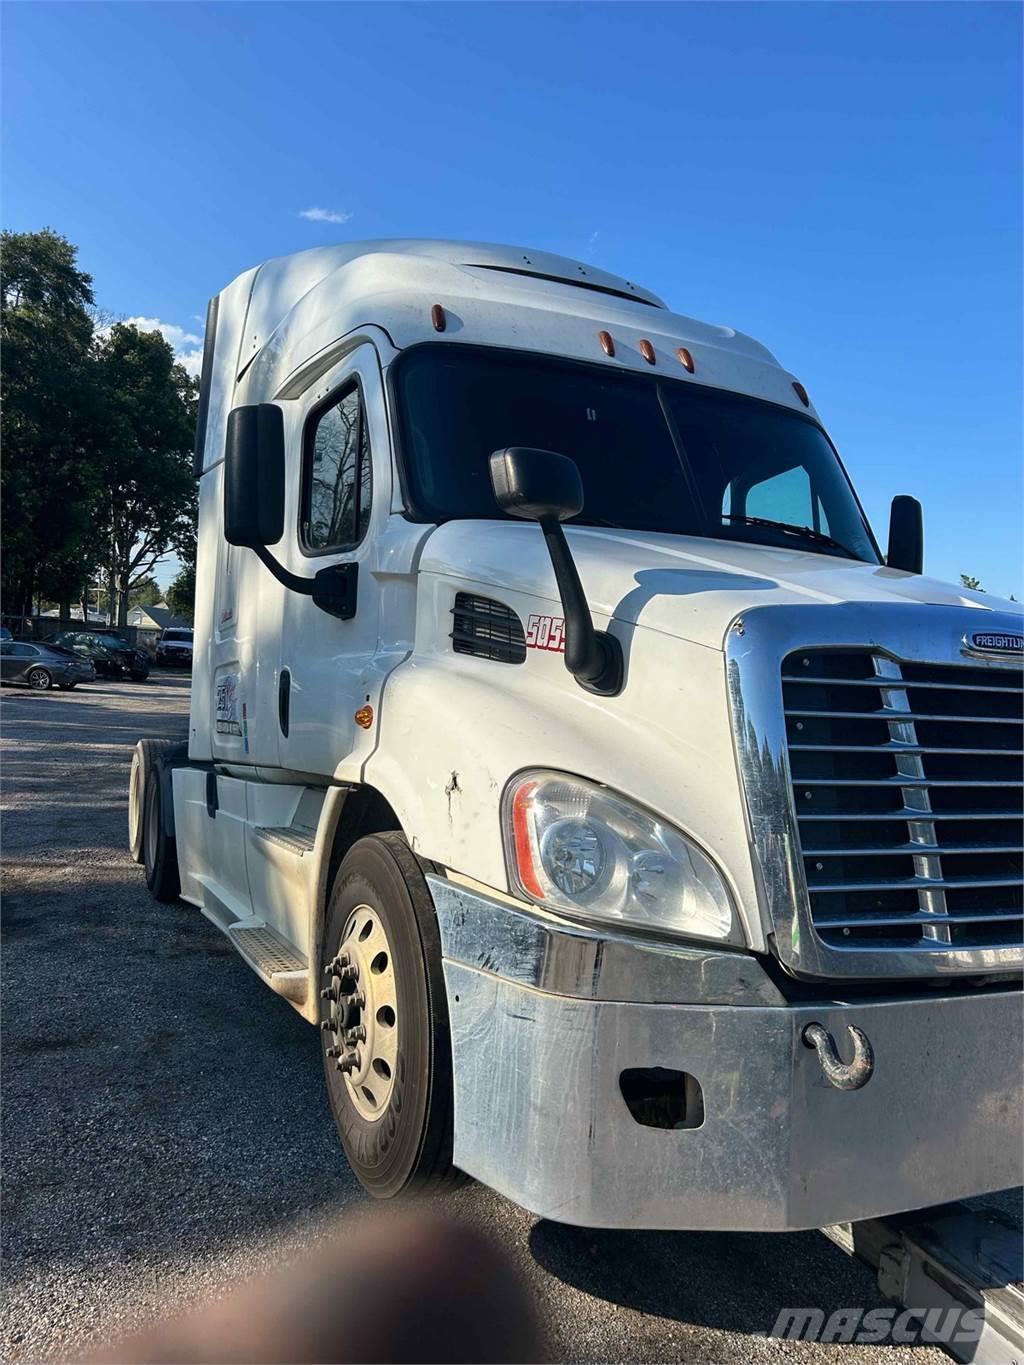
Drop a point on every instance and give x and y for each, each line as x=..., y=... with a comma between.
x=254, y=475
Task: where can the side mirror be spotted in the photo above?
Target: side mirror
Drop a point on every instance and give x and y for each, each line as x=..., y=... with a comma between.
x=536, y=484
x=906, y=535
x=254, y=476
x=541, y=486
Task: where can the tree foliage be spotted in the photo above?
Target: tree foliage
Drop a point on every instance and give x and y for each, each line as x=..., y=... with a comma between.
x=181, y=595
x=970, y=582
x=148, y=406
x=49, y=482
x=97, y=435
x=145, y=592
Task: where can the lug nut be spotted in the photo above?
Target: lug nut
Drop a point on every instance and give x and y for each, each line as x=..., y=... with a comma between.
x=327, y=1025
x=334, y=1052
x=355, y=1035
x=328, y=993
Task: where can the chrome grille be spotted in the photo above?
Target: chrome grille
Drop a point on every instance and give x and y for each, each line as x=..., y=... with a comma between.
x=907, y=788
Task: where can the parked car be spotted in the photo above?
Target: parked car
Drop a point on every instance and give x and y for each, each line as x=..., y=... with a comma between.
x=5, y=634
x=174, y=648
x=112, y=656
x=43, y=666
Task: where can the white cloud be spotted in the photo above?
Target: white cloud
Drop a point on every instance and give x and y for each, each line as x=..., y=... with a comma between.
x=324, y=216
x=187, y=346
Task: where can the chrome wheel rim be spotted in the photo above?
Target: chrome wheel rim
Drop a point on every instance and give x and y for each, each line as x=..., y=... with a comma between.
x=39, y=680
x=362, y=1017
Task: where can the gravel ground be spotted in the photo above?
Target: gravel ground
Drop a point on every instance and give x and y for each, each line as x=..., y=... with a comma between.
x=165, y=1129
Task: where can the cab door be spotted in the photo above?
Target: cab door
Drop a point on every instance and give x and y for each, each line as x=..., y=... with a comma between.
x=327, y=667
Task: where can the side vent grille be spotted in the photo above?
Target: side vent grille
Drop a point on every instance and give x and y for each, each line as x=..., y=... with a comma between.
x=488, y=629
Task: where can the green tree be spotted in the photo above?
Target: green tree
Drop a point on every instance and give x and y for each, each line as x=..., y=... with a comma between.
x=49, y=480
x=973, y=583
x=144, y=592
x=148, y=416
x=181, y=595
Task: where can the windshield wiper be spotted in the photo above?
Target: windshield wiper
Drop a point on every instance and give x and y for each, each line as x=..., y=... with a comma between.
x=808, y=533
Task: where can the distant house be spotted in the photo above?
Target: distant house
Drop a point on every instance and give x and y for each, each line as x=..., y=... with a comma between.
x=150, y=621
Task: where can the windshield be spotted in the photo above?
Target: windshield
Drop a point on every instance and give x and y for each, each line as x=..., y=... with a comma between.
x=654, y=454
x=178, y=636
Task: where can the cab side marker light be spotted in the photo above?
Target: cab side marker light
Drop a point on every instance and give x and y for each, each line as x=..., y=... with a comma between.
x=801, y=393
x=607, y=344
x=438, y=318
x=647, y=351
x=686, y=359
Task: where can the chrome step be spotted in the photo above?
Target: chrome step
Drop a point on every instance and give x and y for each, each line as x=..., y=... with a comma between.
x=295, y=838
x=280, y=965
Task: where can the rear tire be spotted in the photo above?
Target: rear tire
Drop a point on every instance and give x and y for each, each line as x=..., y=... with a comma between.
x=397, y=1131
x=39, y=680
x=160, y=848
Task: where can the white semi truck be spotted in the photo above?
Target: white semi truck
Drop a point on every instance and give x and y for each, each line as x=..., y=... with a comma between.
x=641, y=840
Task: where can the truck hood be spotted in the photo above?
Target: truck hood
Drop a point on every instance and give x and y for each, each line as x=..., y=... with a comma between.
x=684, y=586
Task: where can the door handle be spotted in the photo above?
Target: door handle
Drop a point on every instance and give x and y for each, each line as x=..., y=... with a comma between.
x=284, y=699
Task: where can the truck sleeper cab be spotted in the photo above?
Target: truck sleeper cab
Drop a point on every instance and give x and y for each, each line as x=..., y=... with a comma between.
x=658, y=864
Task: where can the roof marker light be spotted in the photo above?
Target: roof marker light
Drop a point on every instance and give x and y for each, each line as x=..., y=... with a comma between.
x=438, y=318
x=686, y=359
x=607, y=344
x=647, y=351
x=801, y=393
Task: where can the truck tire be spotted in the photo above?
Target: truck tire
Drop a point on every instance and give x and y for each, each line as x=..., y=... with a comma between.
x=160, y=848
x=394, y=1107
x=145, y=755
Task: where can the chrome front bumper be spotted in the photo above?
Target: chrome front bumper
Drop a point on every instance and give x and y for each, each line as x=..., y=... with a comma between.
x=545, y=1017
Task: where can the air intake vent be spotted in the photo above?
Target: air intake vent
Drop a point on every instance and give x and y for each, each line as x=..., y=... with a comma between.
x=488, y=629
x=907, y=786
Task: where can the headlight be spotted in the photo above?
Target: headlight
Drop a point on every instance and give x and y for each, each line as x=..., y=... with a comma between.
x=578, y=848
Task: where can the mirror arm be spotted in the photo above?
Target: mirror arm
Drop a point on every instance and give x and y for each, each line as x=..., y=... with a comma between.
x=593, y=657
x=333, y=589
x=284, y=576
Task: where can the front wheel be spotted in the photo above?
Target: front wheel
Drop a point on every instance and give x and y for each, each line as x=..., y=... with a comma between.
x=385, y=1031
x=39, y=680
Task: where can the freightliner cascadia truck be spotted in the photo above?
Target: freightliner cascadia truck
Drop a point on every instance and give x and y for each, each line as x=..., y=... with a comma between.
x=641, y=840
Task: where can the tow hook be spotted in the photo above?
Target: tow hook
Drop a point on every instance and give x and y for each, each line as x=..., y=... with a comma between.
x=843, y=1075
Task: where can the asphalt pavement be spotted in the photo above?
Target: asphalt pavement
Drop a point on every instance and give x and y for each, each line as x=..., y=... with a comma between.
x=165, y=1128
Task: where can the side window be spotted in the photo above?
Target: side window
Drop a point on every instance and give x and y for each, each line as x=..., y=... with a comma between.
x=783, y=497
x=337, y=476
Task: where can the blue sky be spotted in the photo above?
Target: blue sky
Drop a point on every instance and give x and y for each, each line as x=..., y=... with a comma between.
x=841, y=180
